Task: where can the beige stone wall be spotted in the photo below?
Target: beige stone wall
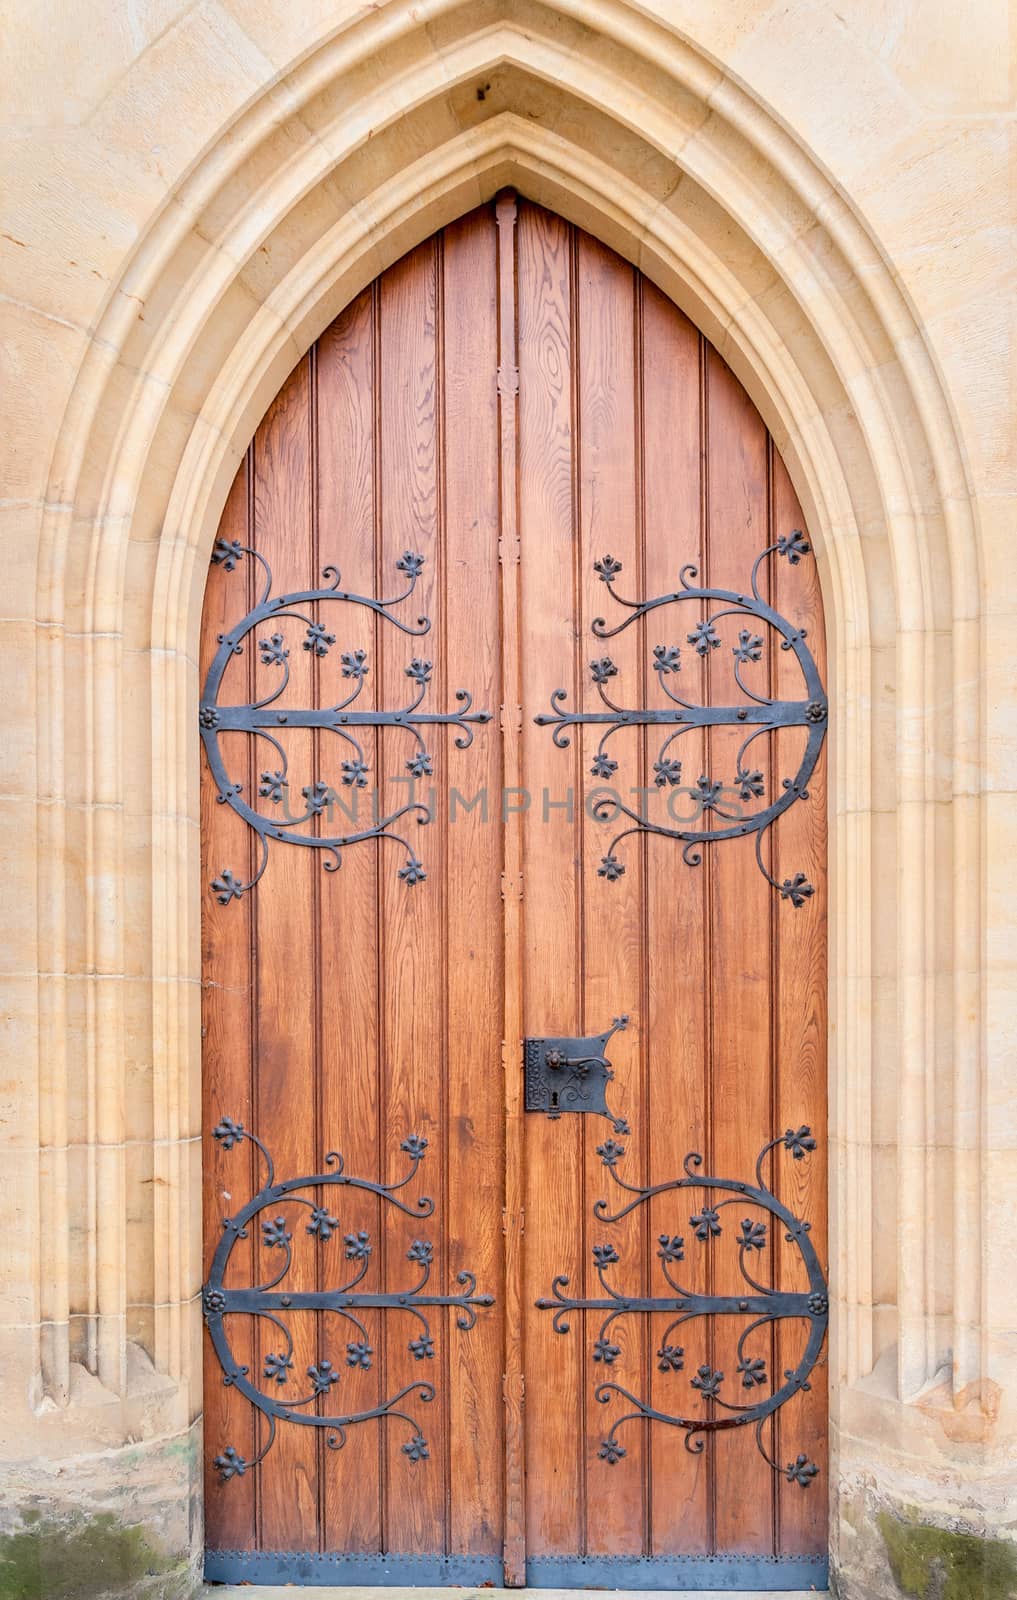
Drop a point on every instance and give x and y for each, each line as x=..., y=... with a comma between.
x=192, y=189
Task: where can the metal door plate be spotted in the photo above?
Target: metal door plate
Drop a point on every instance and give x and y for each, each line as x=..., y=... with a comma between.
x=572, y=1075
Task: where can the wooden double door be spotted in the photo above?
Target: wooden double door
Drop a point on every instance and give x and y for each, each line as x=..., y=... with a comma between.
x=514, y=910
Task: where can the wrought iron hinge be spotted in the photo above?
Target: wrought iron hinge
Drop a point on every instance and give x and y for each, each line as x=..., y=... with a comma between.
x=286, y=624
x=747, y=801
x=275, y=1208
x=753, y=1391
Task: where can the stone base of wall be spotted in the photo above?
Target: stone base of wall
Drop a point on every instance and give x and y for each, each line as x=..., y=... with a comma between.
x=105, y=1526
x=891, y=1548
x=923, y=1509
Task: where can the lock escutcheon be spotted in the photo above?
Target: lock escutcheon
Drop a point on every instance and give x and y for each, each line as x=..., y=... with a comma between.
x=571, y=1075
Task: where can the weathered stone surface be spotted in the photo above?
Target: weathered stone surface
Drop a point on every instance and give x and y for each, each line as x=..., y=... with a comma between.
x=120, y=1523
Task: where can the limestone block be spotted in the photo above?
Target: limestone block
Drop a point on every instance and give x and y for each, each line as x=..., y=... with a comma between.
x=57, y=255
x=40, y=358
x=181, y=90
x=19, y=1024
x=284, y=34
x=1000, y=824
x=20, y=531
x=19, y=1286
x=18, y=873
x=948, y=61
x=98, y=44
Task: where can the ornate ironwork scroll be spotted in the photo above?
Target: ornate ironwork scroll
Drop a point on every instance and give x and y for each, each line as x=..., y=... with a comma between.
x=572, y=1075
x=265, y=720
x=720, y=808
x=760, y=1303
x=270, y=1302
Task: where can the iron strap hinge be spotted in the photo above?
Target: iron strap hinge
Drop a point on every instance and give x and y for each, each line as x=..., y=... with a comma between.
x=281, y=627
x=322, y=1194
x=754, y=1392
x=736, y=804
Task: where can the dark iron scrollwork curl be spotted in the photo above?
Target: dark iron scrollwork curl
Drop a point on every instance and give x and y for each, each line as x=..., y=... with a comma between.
x=263, y=719
x=272, y=1305
x=759, y=1303
x=720, y=809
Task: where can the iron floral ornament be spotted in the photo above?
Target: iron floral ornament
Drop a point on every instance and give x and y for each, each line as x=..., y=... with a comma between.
x=720, y=807
x=273, y=1305
x=759, y=1303
x=264, y=719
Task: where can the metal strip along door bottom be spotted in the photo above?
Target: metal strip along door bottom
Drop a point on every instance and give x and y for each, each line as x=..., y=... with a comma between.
x=542, y=1572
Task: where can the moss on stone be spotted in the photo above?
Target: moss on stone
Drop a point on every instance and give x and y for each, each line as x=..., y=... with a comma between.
x=933, y=1563
x=93, y=1557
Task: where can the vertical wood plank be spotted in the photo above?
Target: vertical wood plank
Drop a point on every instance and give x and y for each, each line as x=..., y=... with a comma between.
x=347, y=931
x=800, y=1001
x=226, y=1030
x=551, y=846
x=676, y=1102
x=741, y=975
x=510, y=719
x=288, y=975
x=413, y=916
x=611, y=932
x=470, y=617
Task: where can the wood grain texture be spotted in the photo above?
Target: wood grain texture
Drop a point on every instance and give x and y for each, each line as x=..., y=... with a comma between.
x=740, y=975
x=800, y=1027
x=512, y=947
x=227, y=1032
x=473, y=935
x=288, y=976
x=612, y=928
x=556, y=1382
x=675, y=1108
x=353, y=1485
x=413, y=1062
x=513, y=401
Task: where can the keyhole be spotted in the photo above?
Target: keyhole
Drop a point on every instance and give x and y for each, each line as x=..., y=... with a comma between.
x=554, y=1099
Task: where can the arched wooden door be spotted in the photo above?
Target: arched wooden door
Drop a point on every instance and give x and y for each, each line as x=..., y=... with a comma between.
x=513, y=819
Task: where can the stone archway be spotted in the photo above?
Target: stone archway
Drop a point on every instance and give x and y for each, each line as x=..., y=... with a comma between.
x=371, y=138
